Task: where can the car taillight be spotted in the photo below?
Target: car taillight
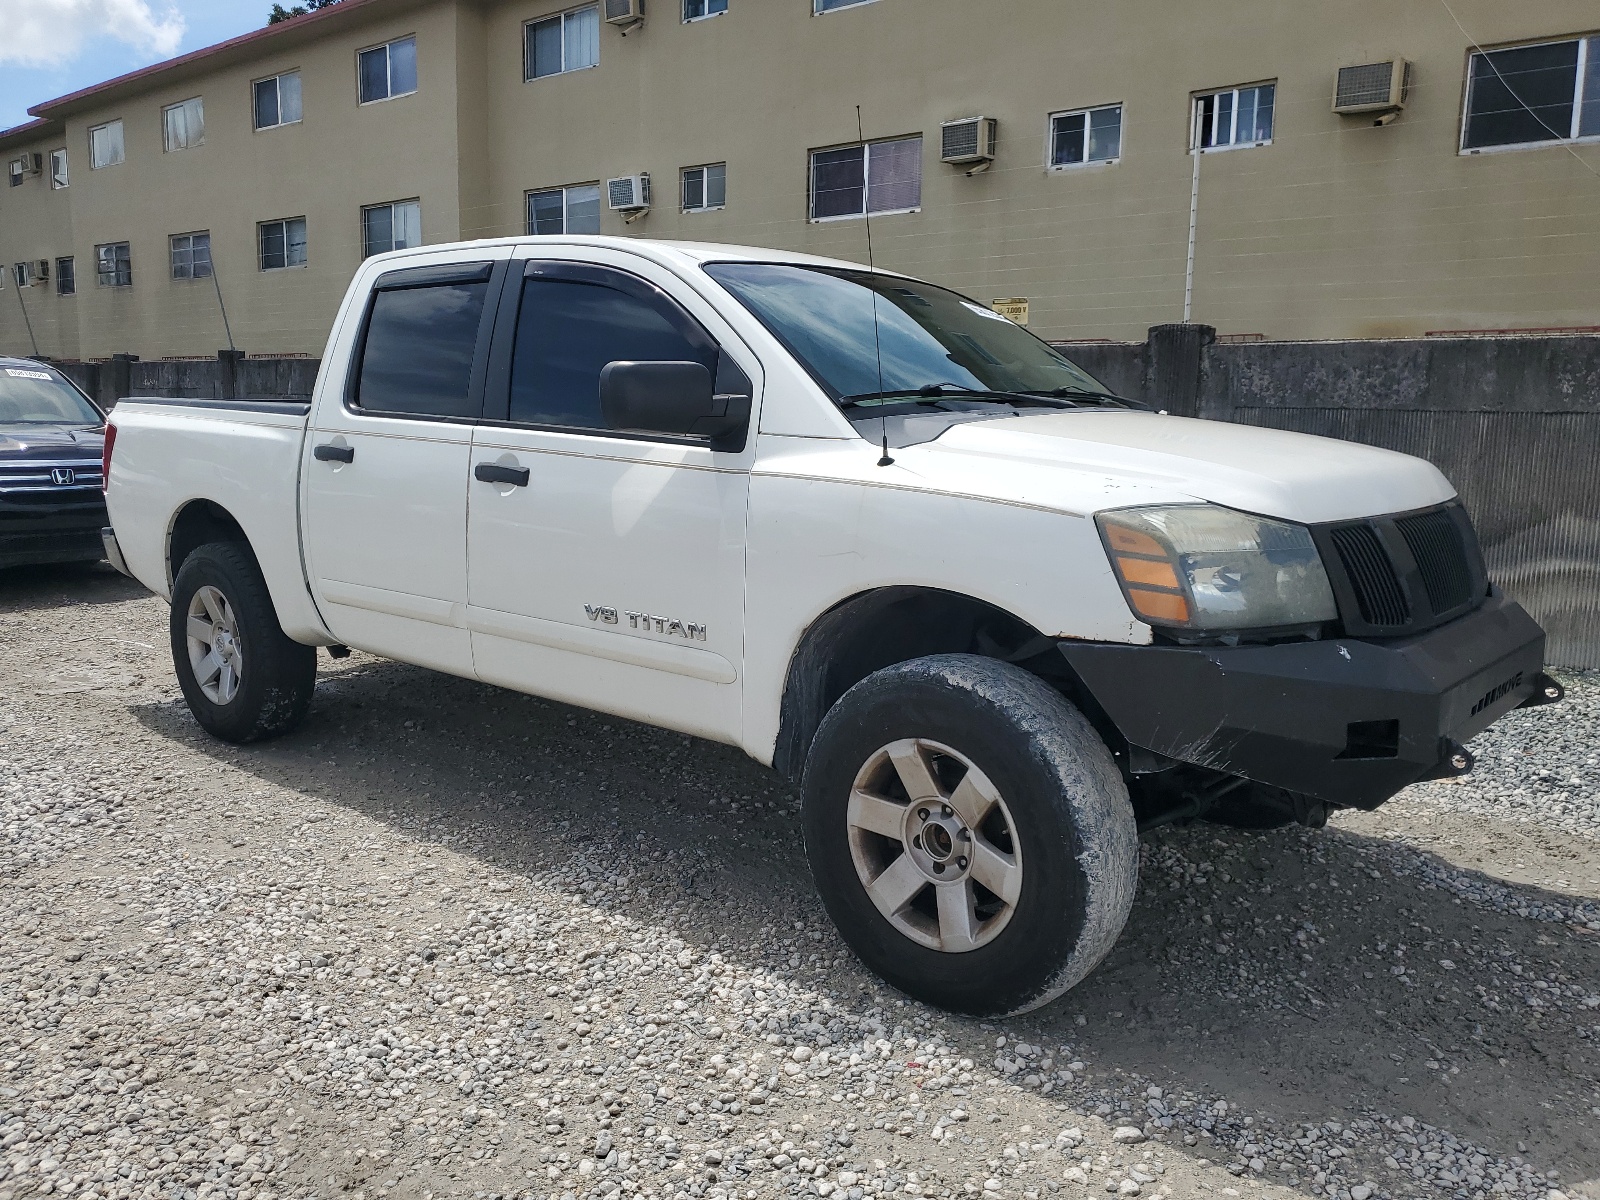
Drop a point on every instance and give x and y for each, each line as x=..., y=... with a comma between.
x=105, y=456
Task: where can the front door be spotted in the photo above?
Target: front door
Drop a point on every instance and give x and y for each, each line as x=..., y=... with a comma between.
x=604, y=569
x=386, y=469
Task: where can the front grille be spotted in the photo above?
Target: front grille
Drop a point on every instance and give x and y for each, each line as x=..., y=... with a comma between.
x=1403, y=574
x=1435, y=542
x=1372, y=576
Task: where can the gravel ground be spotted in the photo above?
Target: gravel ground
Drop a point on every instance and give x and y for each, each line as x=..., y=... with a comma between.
x=449, y=941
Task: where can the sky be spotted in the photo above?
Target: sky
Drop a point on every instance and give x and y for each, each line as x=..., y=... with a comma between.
x=49, y=48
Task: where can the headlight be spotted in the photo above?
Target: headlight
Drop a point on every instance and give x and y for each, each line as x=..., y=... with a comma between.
x=1206, y=568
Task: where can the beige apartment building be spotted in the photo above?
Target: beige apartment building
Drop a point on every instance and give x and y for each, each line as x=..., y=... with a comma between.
x=1141, y=160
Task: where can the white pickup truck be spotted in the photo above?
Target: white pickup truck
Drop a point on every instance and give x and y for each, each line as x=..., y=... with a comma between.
x=991, y=617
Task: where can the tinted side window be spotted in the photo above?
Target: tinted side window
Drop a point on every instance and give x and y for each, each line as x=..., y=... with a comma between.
x=567, y=331
x=419, y=348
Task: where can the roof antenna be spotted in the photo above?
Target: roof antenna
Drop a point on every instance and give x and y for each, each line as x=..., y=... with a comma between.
x=877, y=335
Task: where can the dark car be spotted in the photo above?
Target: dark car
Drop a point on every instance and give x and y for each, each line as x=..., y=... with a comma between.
x=51, y=436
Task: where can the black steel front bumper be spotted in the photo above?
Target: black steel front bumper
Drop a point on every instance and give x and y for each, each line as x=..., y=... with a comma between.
x=1347, y=721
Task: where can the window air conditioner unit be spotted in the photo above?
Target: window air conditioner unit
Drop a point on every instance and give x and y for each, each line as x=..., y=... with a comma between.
x=969, y=140
x=1372, y=87
x=624, y=12
x=41, y=270
x=31, y=164
x=629, y=194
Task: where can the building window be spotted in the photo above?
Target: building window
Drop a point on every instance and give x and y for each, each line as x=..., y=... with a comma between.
x=705, y=187
x=388, y=71
x=698, y=10
x=880, y=177
x=1090, y=135
x=565, y=210
x=191, y=255
x=822, y=6
x=105, y=145
x=283, y=243
x=1527, y=95
x=386, y=227
x=184, y=125
x=58, y=169
x=17, y=171
x=114, y=264
x=66, y=277
x=1237, y=117
x=23, y=272
x=569, y=41
x=277, y=100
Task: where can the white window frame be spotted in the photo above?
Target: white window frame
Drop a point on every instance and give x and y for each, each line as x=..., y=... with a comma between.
x=16, y=171
x=261, y=229
x=566, y=191
x=1573, y=139
x=527, y=53
x=172, y=246
x=391, y=205
x=167, y=143
x=277, y=82
x=1087, y=115
x=64, y=174
x=817, y=9
x=688, y=20
x=388, y=68
x=866, y=181
x=122, y=146
x=1198, y=98
x=683, y=185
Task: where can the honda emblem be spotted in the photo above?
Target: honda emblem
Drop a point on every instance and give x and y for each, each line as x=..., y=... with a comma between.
x=63, y=476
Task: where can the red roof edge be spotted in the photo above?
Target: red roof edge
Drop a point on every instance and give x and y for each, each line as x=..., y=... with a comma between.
x=25, y=128
x=47, y=109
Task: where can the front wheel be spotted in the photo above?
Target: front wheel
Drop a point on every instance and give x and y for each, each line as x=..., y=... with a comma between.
x=970, y=833
x=243, y=678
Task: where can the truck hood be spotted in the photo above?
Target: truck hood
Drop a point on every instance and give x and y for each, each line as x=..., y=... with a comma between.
x=1057, y=459
x=29, y=441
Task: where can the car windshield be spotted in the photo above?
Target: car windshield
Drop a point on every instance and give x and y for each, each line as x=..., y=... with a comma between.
x=927, y=337
x=36, y=395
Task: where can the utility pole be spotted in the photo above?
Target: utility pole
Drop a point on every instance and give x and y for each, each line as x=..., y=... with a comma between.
x=1194, y=213
x=33, y=341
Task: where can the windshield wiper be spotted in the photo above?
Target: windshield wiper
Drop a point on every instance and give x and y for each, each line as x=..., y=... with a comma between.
x=1077, y=393
x=933, y=393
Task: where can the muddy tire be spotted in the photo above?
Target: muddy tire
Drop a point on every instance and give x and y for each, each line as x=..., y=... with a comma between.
x=970, y=833
x=242, y=676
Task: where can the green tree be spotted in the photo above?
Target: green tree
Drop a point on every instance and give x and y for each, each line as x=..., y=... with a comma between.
x=280, y=13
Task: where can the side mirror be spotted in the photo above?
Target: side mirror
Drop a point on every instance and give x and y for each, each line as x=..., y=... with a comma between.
x=672, y=397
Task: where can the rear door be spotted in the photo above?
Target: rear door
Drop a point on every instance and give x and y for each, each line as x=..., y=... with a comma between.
x=387, y=463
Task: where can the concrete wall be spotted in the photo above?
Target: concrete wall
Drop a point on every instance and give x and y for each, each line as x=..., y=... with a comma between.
x=1337, y=229
x=1513, y=422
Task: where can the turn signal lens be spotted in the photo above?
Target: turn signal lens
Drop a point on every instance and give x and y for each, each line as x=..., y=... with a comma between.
x=1204, y=567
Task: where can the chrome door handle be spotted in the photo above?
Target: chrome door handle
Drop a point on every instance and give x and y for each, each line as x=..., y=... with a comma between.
x=495, y=473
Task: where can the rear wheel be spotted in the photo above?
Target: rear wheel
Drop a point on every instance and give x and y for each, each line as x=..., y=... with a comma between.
x=243, y=678
x=969, y=833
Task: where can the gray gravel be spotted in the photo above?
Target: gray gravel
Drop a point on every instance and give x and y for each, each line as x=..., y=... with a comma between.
x=447, y=941
x=1540, y=766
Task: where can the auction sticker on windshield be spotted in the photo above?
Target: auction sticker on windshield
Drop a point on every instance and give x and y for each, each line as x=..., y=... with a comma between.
x=45, y=375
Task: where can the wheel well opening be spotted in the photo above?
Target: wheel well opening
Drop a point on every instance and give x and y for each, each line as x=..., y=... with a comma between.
x=201, y=521
x=893, y=625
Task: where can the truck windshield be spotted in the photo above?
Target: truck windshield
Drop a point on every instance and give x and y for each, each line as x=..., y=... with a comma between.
x=38, y=396
x=928, y=337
